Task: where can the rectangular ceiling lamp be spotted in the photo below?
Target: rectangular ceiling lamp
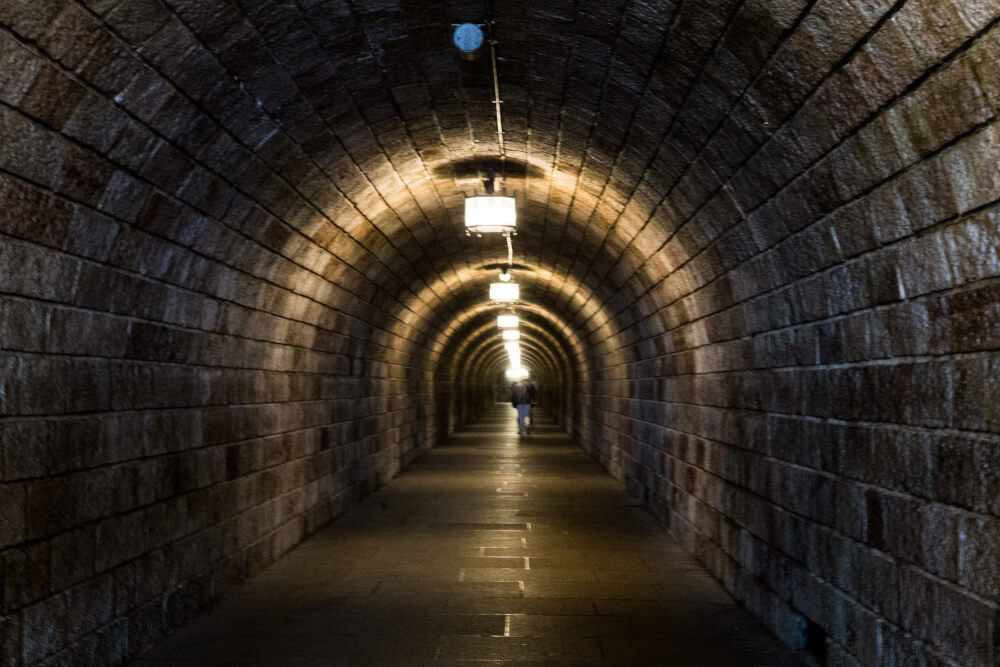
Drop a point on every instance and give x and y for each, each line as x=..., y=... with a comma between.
x=513, y=353
x=504, y=291
x=488, y=214
x=511, y=334
x=515, y=374
x=507, y=321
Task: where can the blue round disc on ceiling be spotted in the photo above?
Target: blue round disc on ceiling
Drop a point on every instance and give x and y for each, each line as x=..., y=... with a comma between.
x=468, y=37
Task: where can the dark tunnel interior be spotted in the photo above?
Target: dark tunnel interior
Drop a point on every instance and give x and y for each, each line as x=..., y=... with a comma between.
x=758, y=256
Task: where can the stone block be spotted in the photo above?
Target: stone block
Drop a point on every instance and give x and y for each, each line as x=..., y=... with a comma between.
x=71, y=36
x=977, y=568
x=83, y=176
x=31, y=20
x=89, y=386
x=30, y=151
x=120, y=539
x=36, y=272
x=13, y=514
x=52, y=97
x=986, y=63
x=964, y=470
x=18, y=69
x=894, y=524
x=113, y=642
x=147, y=625
x=57, y=504
x=26, y=575
x=23, y=325
x=29, y=213
x=940, y=536
x=964, y=626
x=72, y=556
x=970, y=378
x=902, y=460
x=91, y=234
x=44, y=630
x=89, y=606
x=917, y=602
x=136, y=21
x=10, y=639
x=945, y=107
x=934, y=28
x=851, y=510
x=926, y=190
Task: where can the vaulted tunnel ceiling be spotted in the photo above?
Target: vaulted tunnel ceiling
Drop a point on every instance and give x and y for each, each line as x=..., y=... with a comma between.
x=661, y=152
x=364, y=120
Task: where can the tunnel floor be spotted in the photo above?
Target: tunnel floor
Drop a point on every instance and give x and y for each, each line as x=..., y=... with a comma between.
x=492, y=549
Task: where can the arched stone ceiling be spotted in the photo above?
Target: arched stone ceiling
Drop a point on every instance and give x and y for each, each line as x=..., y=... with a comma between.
x=637, y=136
x=370, y=116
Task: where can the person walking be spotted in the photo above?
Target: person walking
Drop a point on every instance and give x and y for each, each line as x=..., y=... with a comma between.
x=520, y=398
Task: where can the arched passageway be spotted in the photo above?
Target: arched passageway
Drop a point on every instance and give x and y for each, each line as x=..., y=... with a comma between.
x=757, y=249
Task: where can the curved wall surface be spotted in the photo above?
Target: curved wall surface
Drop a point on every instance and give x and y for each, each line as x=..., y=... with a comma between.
x=758, y=252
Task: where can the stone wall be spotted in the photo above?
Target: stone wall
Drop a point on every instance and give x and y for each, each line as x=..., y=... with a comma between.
x=812, y=409
x=194, y=359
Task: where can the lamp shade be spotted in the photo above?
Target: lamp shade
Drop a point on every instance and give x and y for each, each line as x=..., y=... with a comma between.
x=504, y=291
x=515, y=374
x=490, y=214
x=507, y=321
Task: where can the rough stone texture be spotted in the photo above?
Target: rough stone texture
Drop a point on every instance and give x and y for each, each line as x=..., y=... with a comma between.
x=758, y=241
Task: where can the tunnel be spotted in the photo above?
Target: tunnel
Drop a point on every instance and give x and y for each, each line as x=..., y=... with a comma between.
x=757, y=249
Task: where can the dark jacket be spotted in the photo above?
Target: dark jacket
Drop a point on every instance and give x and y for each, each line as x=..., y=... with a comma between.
x=520, y=395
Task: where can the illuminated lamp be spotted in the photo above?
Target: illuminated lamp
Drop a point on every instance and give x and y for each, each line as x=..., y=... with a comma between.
x=504, y=291
x=490, y=214
x=515, y=374
x=507, y=321
x=511, y=334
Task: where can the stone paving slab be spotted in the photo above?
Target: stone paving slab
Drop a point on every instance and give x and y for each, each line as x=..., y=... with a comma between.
x=491, y=550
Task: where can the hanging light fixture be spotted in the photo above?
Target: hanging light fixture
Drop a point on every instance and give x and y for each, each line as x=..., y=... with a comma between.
x=511, y=334
x=493, y=213
x=515, y=374
x=490, y=214
x=504, y=292
x=507, y=321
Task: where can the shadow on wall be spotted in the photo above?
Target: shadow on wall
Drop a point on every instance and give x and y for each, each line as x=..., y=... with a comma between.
x=475, y=169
